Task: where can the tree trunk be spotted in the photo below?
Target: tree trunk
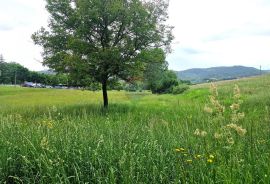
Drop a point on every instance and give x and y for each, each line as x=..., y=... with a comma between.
x=105, y=94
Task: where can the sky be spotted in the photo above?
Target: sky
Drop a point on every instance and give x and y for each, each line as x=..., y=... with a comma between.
x=207, y=33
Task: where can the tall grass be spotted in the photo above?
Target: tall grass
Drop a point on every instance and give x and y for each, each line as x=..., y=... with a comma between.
x=62, y=136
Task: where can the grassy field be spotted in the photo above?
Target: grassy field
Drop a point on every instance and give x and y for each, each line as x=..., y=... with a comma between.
x=64, y=136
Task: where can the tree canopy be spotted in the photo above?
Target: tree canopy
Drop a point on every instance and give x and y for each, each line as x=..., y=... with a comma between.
x=102, y=39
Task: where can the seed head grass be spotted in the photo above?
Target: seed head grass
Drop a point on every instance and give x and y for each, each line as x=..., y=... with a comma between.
x=65, y=136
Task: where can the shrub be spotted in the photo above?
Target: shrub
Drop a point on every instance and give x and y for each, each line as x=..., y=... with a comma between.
x=180, y=89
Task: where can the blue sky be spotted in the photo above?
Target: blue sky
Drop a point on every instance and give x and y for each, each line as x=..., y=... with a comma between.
x=207, y=32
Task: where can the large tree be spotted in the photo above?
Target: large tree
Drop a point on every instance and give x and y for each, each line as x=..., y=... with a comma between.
x=102, y=39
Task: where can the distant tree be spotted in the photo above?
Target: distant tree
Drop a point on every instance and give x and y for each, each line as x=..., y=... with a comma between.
x=165, y=82
x=2, y=61
x=154, y=69
x=12, y=73
x=101, y=39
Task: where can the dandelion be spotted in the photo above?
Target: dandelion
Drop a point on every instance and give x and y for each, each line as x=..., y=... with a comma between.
x=211, y=156
x=198, y=156
x=179, y=149
x=210, y=160
x=189, y=161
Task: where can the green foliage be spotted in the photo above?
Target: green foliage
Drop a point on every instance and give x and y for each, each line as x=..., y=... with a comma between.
x=11, y=72
x=181, y=88
x=165, y=83
x=53, y=136
x=100, y=39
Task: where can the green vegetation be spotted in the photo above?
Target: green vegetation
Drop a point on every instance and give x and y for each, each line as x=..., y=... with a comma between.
x=14, y=73
x=100, y=39
x=65, y=136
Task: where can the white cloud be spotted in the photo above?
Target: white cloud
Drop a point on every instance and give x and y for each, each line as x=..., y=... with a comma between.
x=229, y=32
x=19, y=20
x=208, y=33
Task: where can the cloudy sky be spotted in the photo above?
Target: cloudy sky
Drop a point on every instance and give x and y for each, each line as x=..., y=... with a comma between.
x=207, y=32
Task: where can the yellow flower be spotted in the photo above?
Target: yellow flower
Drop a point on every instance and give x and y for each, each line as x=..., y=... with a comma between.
x=211, y=156
x=179, y=149
x=189, y=161
x=209, y=160
x=198, y=156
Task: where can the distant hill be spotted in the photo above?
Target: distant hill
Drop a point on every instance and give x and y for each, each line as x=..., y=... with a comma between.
x=200, y=75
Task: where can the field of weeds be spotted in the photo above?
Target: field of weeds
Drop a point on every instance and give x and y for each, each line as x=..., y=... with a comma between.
x=217, y=133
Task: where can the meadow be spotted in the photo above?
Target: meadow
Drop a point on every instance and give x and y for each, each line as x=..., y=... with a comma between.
x=210, y=134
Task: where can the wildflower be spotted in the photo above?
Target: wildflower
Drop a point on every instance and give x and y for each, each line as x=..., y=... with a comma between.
x=200, y=133
x=211, y=156
x=213, y=89
x=198, y=156
x=44, y=143
x=189, y=161
x=240, y=131
x=241, y=115
x=197, y=132
x=230, y=140
x=54, y=109
x=203, y=133
x=208, y=110
x=210, y=160
x=236, y=92
x=179, y=149
x=47, y=123
x=218, y=136
x=235, y=107
x=50, y=125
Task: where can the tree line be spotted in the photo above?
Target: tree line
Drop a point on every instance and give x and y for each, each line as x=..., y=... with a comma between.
x=155, y=77
x=14, y=73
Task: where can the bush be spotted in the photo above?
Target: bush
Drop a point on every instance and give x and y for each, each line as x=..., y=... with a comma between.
x=180, y=89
